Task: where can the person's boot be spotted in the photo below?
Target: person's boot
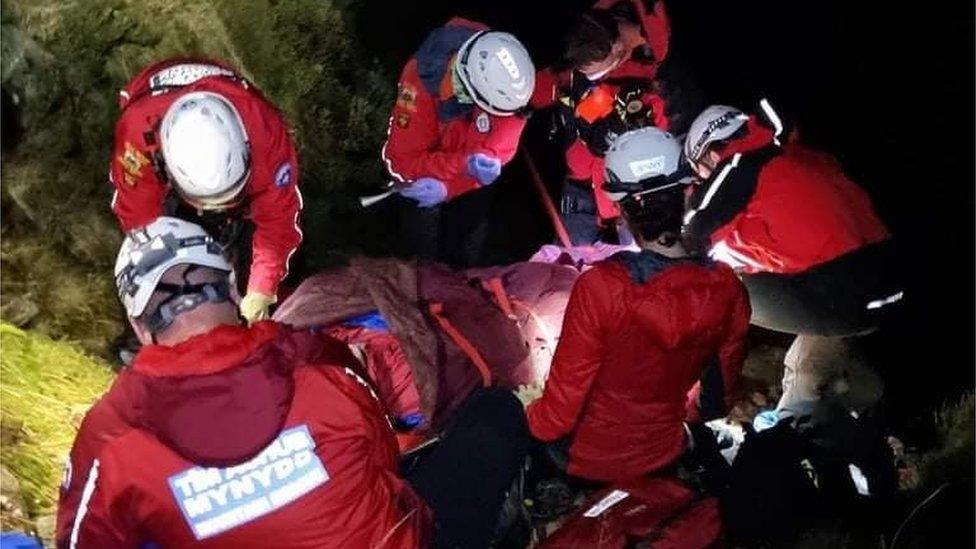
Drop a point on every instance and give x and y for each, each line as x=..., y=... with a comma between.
x=514, y=528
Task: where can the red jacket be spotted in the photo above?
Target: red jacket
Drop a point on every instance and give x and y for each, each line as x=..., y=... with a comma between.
x=551, y=86
x=780, y=209
x=656, y=30
x=241, y=437
x=640, y=331
x=431, y=134
x=271, y=198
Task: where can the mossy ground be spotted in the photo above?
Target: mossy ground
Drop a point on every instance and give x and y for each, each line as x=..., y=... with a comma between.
x=45, y=387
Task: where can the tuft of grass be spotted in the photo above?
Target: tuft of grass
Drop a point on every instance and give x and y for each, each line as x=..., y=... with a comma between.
x=47, y=386
x=952, y=458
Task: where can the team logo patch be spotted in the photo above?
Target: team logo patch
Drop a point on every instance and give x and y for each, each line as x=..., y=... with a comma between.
x=483, y=123
x=283, y=175
x=641, y=168
x=214, y=500
x=407, y=98
x=133, y=160
x=402, y=120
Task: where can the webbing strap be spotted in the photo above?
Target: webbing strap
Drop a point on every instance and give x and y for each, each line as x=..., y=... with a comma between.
x=494, y=285
x=437, y=311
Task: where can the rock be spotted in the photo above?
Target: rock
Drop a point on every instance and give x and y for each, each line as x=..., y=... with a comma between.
x=13, y=509
x=19, y=310
x=46, y=529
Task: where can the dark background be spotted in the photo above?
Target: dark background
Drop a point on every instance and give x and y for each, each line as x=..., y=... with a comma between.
x=889, y=90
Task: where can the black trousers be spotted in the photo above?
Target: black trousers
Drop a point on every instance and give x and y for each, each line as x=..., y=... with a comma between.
x=454, y=232
x=231, y=230
x=578, y=210
x=465, y=477
x=830, y=299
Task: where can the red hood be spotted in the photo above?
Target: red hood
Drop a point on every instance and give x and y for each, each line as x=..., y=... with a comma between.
x=219, y=398
x=757, y=137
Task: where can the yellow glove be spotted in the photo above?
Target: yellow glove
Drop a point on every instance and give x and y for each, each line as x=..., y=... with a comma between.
x=528, y=393
x=254, y=306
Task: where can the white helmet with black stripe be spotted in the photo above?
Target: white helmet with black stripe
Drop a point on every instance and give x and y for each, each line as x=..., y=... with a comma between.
x=496, y=72
x=716, y=123
x=147, y=253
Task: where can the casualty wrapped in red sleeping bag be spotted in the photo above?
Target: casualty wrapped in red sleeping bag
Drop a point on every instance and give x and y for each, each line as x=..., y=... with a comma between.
x=441, y=333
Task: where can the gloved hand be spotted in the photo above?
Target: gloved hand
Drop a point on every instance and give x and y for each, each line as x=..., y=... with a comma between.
x=426, y=191
x=528, y=393
x=254, y=306
x=484, y=168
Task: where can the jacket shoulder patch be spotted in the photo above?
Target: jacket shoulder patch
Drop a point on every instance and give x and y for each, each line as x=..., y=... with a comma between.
x=407, y=97
x=483, y=123
x=133, y=161
x=283, y=175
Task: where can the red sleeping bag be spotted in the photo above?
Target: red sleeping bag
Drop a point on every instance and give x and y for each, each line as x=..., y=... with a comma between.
x=449, y=332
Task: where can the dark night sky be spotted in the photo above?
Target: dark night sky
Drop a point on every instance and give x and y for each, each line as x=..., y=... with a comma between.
x=888, y=90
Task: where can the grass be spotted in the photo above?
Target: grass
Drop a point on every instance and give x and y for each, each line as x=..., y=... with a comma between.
x=953, y=456
x=45, y=387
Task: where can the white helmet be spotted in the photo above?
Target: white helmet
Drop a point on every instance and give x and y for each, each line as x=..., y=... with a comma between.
x=715, y=123
x=642, y=161
x=496, y=71
x=147, y=253
x=205, y=149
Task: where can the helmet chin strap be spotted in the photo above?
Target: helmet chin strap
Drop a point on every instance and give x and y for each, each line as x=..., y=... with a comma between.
x=185, y=297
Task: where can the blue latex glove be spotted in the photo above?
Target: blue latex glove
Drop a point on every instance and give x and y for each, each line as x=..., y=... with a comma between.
x=426, y=191
x=765, y=420
x=484, y=168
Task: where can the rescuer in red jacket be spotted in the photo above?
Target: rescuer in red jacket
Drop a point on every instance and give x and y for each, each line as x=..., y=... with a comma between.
x=196, y=140
x=814, y=255
x=226, y=436
x=641, y=330
x=613, y=53
x=458, y=116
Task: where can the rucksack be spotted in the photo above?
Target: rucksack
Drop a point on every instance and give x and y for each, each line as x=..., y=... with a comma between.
x=773, y=488
x=810, y=469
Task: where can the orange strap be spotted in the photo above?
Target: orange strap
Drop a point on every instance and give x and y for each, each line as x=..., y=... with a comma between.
x=437, y=310
x=540, y=187
x=494, y=285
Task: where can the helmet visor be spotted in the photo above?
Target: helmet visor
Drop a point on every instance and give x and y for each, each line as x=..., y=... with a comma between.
x=221, y=201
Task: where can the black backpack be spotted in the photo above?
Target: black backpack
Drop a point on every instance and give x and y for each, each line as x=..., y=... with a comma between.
x=806, y=472
x=773, y=488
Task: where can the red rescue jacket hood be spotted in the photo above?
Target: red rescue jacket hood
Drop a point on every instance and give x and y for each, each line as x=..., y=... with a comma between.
x=219, y=398
x=660, y=304
x=757, y=136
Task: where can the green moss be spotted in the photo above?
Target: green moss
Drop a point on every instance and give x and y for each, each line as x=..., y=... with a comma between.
x=46, y=388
